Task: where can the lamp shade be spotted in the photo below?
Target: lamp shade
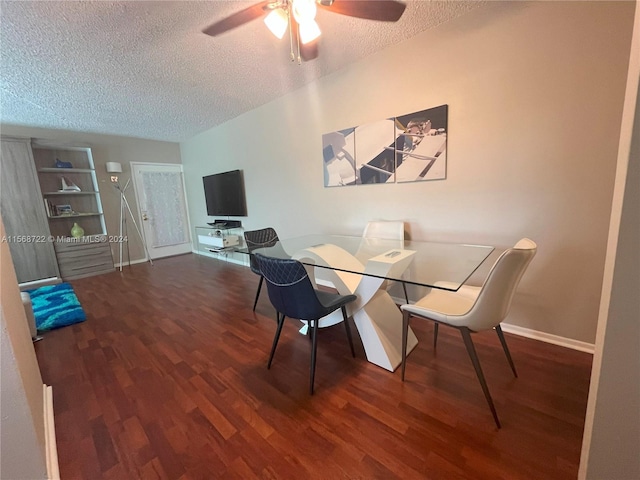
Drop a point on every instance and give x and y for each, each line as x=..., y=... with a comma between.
x=304, y=10
x=114, y=167
x=277, y=21
x=309, y=31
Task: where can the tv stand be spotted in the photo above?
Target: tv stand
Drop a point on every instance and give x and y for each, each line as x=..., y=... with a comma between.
x=219, y=223
x=221, y=242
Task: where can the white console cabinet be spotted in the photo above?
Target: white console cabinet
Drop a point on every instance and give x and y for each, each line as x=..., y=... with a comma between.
x=221, y=243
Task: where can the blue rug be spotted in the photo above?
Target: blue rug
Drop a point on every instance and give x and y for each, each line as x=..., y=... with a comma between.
x=56, y=306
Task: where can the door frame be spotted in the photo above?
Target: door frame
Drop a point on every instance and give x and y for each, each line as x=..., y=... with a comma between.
x=137, y=197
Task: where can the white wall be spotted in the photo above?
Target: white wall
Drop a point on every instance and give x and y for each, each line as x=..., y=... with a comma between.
x=110, y=148
x=535, y=93
x=22, y=435
x=611, y=444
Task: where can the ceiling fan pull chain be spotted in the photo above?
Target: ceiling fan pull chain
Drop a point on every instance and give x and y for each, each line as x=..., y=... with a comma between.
x=298, y=39
x=293, y=56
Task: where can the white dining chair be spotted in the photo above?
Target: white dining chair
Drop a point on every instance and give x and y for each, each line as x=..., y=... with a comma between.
x=387, y=230
x=474, y=309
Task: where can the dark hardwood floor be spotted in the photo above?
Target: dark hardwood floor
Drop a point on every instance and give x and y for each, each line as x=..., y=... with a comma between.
x=167, y=379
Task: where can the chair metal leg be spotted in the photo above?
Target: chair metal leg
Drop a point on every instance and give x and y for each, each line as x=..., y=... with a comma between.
x=314, y=348
x=406, y=297
x=348, y=329
x=471, y=349
x=405, y=334
x=280, y=320
x=503, y=341
x=255, y=302
x=436, y=325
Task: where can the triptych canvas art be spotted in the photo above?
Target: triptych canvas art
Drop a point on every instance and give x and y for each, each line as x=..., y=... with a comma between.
x=407, y=148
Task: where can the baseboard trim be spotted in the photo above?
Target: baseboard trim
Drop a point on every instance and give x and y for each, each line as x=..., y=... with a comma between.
x=517, y=330
x=39, y=283
x=133, y=262
x=549, y=338
x=51, y=447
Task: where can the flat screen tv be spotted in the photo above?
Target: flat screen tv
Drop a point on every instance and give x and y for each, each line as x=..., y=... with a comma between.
x=224, y=194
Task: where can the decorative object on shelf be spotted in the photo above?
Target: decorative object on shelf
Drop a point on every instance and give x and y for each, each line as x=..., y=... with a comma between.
x=77, y=231
x=61, y=164
x=68, y=185
x=50, y=208
x=63, y=210
x=116, y=167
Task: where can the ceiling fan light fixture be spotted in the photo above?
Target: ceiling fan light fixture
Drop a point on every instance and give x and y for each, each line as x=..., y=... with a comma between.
x=309, y=31
x=304, y=10
x=277, y=22
x=298, y=17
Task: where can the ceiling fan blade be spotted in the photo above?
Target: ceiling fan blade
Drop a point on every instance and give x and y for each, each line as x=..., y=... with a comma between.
x=380, y=10
x=237, y=19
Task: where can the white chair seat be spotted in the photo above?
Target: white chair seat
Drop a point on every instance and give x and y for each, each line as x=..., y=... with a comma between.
x=442, y=306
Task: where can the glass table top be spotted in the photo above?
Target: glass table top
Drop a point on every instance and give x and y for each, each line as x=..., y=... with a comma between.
x=417, y=262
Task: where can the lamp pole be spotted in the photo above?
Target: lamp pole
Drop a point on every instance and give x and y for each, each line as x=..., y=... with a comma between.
x=116, y=167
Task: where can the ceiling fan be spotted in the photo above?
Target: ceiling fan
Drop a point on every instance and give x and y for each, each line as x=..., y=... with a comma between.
x=298, y=17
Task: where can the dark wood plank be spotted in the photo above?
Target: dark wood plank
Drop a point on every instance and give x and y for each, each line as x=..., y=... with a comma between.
x=167, y=379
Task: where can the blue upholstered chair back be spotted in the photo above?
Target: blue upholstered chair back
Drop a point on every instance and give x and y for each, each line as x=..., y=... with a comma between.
x=290, y=289
x=265, y=237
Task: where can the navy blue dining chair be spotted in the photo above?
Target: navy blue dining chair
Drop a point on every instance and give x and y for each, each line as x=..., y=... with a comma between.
x=293, y=295
x=265, y=237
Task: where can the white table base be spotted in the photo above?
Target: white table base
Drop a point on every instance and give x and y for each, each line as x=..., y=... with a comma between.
x=377, y=317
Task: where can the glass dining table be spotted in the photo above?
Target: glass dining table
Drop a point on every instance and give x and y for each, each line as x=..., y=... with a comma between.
x=361, y=266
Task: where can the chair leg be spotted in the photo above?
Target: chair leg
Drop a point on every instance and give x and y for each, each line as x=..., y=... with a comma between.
x=348, y=329
x=503, y=341
x=280, y=320
x=255, y=302
x=405, y=334
x=406, y=297
x=435, y=334
x=466, y=336
x=314, y=348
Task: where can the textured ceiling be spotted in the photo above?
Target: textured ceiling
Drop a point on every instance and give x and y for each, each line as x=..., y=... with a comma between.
x=144, y=69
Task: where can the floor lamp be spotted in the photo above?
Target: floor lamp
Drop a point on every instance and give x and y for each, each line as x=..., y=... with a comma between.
x=116, y=167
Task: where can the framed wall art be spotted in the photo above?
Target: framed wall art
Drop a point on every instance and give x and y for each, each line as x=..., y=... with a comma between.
x=406, y=148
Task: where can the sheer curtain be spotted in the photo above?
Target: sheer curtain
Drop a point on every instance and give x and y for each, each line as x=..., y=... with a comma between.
x=166, y=208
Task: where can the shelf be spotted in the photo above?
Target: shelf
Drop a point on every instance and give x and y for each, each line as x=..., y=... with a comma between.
x=63, y=170
x=221, y=249
x=219, y=227
x=69, y=193
x=77, y=215
x=213, y=241
x=85, y=205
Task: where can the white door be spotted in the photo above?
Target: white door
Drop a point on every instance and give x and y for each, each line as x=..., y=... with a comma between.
x=162, y=203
